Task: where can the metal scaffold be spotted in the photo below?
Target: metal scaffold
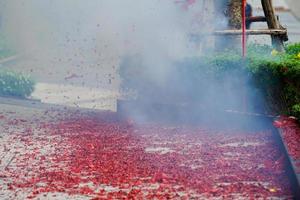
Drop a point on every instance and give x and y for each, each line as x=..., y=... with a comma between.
x=277, y=32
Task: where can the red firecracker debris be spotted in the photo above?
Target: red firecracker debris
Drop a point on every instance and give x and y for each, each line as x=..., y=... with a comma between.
x=102, y=158
x=290, y=132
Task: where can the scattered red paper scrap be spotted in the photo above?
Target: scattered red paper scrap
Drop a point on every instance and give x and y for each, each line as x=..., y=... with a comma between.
x=72, y=76
x=102, y=158
x=290, y=132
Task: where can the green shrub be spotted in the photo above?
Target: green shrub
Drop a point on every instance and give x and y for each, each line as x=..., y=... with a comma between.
x=279, y=78
x=15, y=84
x=296, y=110
x=274, y=75
x=293, y=49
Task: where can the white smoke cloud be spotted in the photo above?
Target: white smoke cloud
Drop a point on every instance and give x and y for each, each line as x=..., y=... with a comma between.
x=114, y=27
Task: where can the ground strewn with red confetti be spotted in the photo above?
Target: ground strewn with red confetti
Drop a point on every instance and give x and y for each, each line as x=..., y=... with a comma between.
x=290, y=132
x=55, y=155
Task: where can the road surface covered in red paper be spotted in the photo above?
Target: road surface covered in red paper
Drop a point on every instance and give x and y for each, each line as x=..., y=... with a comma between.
x=80, y=155
x=290, y=132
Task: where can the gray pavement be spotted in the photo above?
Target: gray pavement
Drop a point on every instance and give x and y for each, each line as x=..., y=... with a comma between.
x=18, y=119
x=286, y=17
x=276, y=3
x=61, y=82
x=294, y=5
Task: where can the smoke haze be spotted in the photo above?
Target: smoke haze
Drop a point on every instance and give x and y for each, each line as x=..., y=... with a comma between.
x=92, y=39
x=158, y=30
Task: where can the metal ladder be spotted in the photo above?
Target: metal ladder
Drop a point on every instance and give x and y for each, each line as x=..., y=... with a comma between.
x=277, y=32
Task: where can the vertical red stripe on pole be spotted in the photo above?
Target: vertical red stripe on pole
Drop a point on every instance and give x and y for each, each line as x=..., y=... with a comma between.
x=244, y=48
x=244, y=3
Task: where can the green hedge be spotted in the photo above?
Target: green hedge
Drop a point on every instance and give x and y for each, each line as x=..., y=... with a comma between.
x=284, y=70
x=272, y=75
x=15, y=84
x=276, y=75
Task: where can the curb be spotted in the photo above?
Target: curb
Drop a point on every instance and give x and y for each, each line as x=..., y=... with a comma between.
x=18, y=101
x=292, y=162
x=9, y=59
x=37, y=104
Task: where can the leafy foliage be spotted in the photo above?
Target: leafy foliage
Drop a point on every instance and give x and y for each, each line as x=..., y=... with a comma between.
x=274, y=75
x=279, y=77
x=296, y=110
x=15, y=84
x=293, y=49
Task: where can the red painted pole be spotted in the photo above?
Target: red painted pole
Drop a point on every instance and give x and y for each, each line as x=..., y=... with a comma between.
x=244, y=47
x=244, y=42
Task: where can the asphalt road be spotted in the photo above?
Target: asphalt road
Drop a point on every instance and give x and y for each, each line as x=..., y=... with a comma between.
x=294, y=5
